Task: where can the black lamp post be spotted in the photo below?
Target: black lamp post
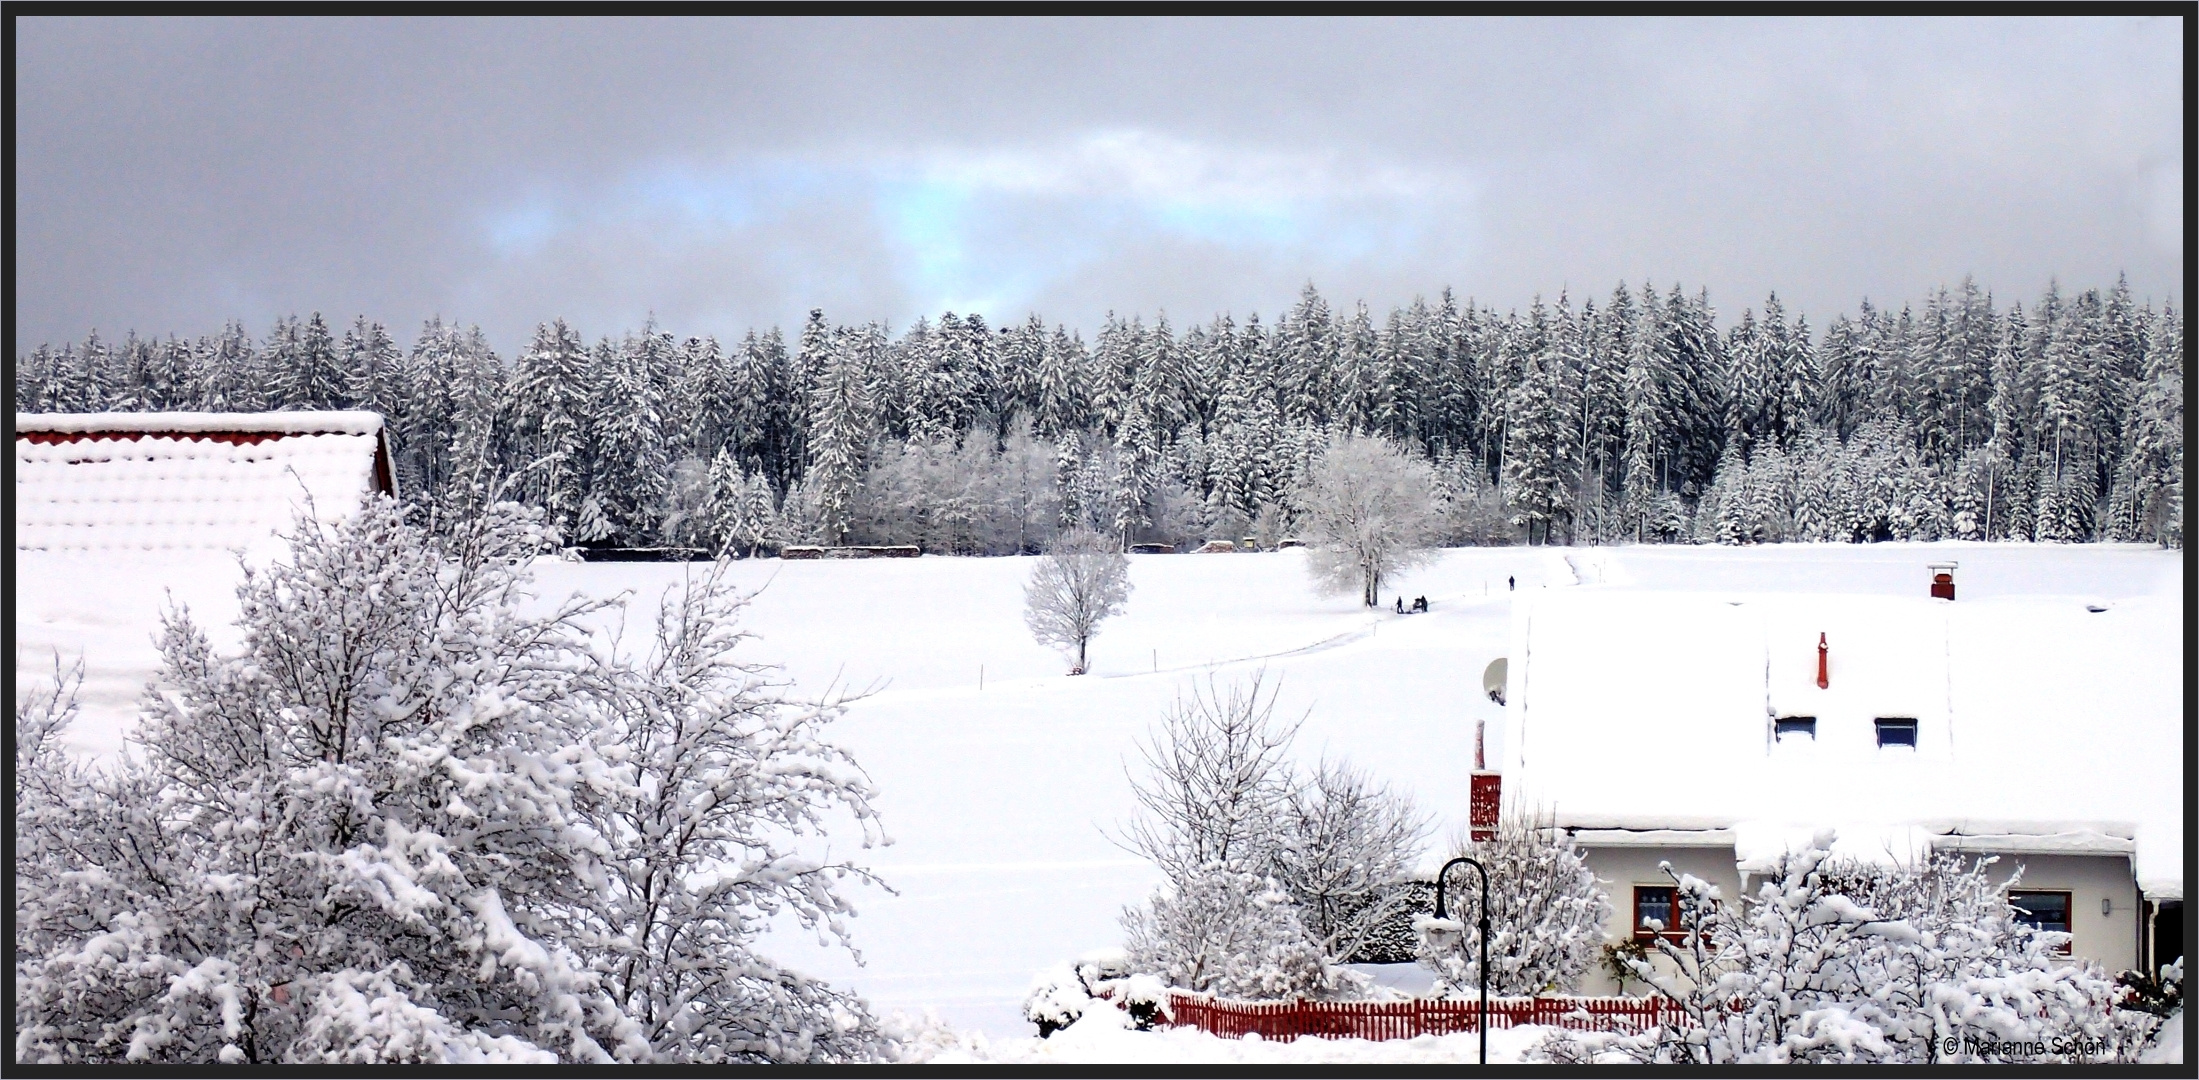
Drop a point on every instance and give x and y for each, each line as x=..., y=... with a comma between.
x=1484, y=872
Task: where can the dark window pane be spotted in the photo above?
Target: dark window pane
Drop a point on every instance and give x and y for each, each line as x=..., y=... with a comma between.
x=1653, y=902
x=1896, y=732
x=2045, y=910
x=1804, y=726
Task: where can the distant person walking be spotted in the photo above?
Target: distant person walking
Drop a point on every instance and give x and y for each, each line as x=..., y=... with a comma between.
x=1510, y=584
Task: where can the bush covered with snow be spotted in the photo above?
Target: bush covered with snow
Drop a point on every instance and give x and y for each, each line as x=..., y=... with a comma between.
x=1228, y=933
x=1057, y=998
x=1275, y=876
x=1546, y=914
x=1834, y=961
x=411, y=821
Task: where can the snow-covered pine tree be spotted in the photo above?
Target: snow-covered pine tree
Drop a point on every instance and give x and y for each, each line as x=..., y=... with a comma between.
x=2148, y=499
x=175, y=372
x=1160, y=389
x=1352, y=406
x=374, y=373
x=1136, y=475
x=1022, y=358
x=839, y=434
x=308, y=372
x=631, y=466
x=1638, y=486
x=1539, y=471
x=724, y=513
x=1059, y=408
x=548, y=423
x=1721, y=516
x=1307, y=347
x=2069, y=410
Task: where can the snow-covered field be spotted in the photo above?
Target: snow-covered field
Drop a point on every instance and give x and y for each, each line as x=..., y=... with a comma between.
x=1000, y=796
x=1103, y=1036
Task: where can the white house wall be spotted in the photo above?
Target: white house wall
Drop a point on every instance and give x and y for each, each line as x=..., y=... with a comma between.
x=2110, y=938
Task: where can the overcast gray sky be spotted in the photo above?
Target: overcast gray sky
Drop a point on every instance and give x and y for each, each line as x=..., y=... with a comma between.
x=722, y=174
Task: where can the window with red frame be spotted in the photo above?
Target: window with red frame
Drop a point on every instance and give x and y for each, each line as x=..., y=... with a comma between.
x=1659, y=902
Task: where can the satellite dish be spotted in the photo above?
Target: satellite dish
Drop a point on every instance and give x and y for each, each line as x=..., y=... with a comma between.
x=1492, y=680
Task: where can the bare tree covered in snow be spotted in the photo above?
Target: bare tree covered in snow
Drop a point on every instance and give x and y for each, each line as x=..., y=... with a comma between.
x=1081, y=582
x=1273, y=877
x=1342, y=844
x=1216, y=776
x=413, y=819
x=1833, y=961
x=1546, y=914
x=1370, y=512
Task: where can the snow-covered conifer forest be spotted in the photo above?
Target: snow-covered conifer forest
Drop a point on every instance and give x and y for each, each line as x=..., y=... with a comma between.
x=1639, y=415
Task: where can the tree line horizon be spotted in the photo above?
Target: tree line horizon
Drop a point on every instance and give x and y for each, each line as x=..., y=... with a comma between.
x=1630, y=417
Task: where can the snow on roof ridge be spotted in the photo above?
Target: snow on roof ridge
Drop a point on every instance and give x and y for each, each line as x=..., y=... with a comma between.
x=315, y=422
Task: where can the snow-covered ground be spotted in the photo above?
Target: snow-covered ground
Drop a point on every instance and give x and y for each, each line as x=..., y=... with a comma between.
x=1000, y=797
x=1104, y=1036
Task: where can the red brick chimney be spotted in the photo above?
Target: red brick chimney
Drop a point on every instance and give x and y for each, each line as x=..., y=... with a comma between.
x=1485, y=796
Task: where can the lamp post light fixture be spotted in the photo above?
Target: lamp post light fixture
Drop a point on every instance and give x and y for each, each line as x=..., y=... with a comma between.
x=1440, y=877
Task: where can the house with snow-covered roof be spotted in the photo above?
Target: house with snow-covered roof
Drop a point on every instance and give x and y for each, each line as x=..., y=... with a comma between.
x=178, y=480
x=1718, y=732
x=119, y=516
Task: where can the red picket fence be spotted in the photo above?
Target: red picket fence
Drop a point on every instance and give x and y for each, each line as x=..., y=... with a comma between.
x=1407, y=1019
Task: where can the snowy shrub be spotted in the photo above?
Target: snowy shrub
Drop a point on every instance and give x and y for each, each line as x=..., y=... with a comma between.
x=1064, y=993
x=1342, y=844
x=1228, y=933
x=1391, y=939
x=411, y=820
x=1082, y=581
x=1101, y=966
x=1273, y=876
x=2160, y=994
x=1369, y=510
x=1058, y=997
x=1546, y=914
x=1840, y=962
x=1145, y=999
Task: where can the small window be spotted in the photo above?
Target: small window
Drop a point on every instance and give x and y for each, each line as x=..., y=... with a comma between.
x=1800, y=727
x=1657, y=903
x=2045, y=910
x=1896, y=731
